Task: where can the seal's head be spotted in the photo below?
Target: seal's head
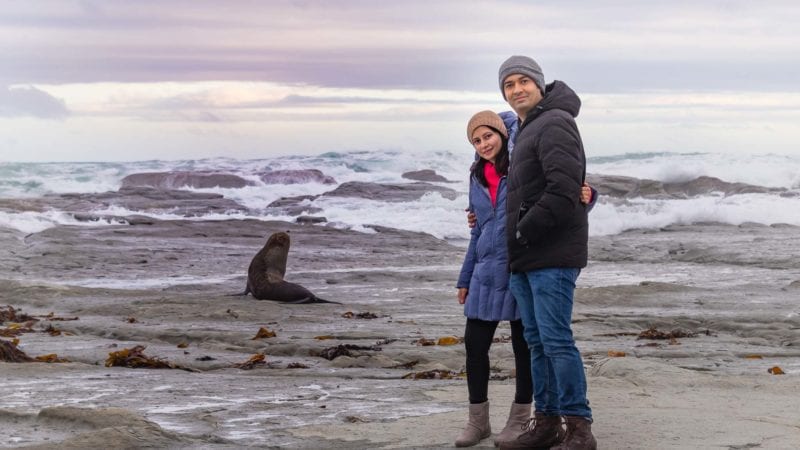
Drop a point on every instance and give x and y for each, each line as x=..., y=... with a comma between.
x=279, y=239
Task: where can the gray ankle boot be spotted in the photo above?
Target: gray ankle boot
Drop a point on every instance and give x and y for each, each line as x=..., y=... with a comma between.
x=515, y=425
x=478, y=426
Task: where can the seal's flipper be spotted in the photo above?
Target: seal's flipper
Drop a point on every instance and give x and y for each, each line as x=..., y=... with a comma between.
x=309, y=300
x=241, y=294
x=322, y=300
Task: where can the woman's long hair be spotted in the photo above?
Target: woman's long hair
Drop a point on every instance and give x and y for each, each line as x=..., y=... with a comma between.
x=500, y=162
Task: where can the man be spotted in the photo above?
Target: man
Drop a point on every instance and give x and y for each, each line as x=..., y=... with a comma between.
x=547, y=234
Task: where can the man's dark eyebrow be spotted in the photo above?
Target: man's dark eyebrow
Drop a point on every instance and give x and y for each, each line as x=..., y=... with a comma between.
x=522, y=77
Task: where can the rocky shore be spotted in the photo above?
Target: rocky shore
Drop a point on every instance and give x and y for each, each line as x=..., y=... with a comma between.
x=341, y=376
x=690, y=333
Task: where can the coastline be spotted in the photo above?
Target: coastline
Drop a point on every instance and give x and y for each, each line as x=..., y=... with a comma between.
x=700, y=392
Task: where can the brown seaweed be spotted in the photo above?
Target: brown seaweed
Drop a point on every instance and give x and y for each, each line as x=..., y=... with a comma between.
x=449, y=340
x=436, y=374
x=53, y=318
x=776, y=371
x=10, y=353
x=264, y=333
x=53, y=331
x=15, y=328
x=653, y=333
x=363, y=315
x=424, y=342
x=51, y=358
x=407, y=365
x=255, y=360
x=332, y=353
x=296, y=365
x=136, y=359
x=499, y=377
x=9, y=314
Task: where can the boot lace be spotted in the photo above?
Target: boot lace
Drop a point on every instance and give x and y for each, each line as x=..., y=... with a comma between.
x=529, y=425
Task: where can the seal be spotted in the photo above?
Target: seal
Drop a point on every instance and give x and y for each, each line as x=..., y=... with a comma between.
x=265, y=276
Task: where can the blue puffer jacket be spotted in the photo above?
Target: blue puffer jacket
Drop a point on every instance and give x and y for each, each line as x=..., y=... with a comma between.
x=485, y=268
x=511, y=122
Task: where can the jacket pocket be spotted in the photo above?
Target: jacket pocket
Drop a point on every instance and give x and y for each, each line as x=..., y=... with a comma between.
x=523, y=209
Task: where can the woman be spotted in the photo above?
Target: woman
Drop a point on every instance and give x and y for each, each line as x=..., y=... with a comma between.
x=483, y=284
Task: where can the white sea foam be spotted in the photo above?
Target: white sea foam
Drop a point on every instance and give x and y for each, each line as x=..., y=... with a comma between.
x=432, y=213
x=609, y=218
x=781, y=171
x=34, y=222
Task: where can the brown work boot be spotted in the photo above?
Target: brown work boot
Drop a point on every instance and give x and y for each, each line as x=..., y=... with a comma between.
x=541, y=433
x=515, y=425
x=579, y=435
x=478, y=426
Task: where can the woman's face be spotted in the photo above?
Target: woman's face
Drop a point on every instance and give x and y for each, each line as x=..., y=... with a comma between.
x=487, y=143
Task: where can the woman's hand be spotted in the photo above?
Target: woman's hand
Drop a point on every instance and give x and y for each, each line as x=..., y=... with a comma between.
x=586, y=194
x=472, y=219
x=462, y=295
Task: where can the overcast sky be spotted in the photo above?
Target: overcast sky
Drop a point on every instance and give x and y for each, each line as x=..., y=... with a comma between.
x=121, y=80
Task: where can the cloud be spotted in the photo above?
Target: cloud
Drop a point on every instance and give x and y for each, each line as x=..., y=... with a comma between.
x=32, y=102
x=603, y=46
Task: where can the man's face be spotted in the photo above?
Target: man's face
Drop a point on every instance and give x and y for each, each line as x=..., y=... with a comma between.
x=521, y=93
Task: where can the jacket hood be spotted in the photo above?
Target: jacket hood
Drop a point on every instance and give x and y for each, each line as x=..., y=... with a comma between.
x=560, y=96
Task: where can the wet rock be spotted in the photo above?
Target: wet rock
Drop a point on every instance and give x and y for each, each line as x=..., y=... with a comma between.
x=291, y=201
x=626, y=187
x=296, y=177
x=703, y=185
x=145, y=199
x=310, y=219
x=177, y=180
x=424, y=175
x=630, y=187
x=104, y=427
x=795, y=285
x=295, y=206
x=389, y=192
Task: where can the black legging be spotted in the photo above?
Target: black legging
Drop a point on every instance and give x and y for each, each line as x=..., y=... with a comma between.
x=478, y=338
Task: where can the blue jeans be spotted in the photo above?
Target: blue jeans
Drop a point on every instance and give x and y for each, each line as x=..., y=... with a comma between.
x=544, y=297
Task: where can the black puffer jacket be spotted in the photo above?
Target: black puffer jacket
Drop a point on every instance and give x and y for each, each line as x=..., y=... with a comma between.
x=547, y=224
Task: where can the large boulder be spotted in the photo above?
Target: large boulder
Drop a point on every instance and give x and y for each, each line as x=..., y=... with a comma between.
x=296, y=177
x=146, y=200
x=425, y=175
x=389, y=192
x=630, y=187
x=180, y=179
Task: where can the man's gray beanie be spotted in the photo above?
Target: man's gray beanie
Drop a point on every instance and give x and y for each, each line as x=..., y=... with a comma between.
x=521, y=65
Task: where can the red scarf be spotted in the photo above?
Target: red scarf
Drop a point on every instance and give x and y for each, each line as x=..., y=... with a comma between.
x=492, y=179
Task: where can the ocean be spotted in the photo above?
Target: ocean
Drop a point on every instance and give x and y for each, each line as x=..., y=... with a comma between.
x=433, y=213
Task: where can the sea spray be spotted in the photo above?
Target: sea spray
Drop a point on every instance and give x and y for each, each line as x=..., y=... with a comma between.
x=432, y=213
